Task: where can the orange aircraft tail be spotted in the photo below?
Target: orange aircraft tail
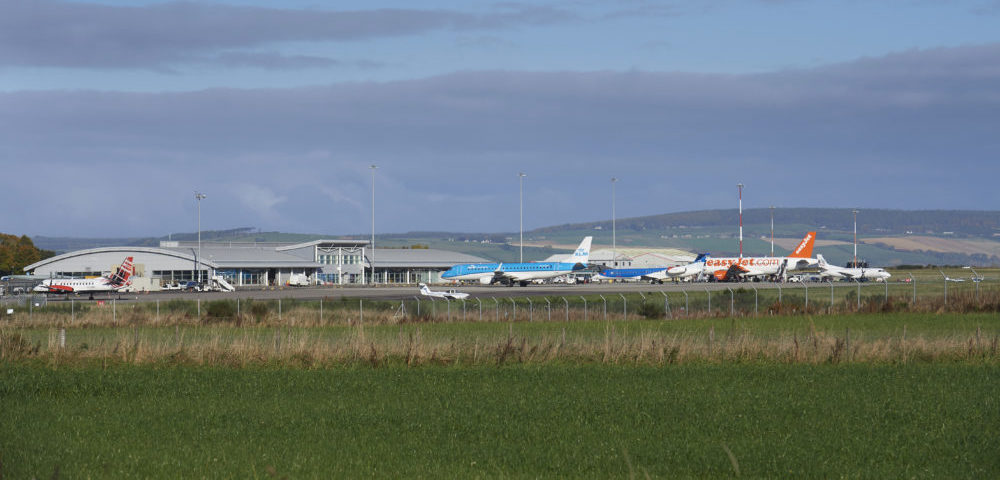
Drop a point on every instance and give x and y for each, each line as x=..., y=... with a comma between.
x=805, y=248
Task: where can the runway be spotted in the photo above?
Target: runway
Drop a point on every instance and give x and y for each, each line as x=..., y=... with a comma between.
x=410, y=291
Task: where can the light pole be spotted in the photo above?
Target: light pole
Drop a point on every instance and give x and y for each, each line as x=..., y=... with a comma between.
x=772, y=230
x=199, y=196
x=740, y=185
x=855, y=265
x=373, y=167
x=520, y=245
x=614, y=239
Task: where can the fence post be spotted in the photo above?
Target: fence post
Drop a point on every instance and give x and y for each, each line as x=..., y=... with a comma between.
x=666, y=306
x=779, y=292
x=418, y=304
x=72, y=309
x=567, y=308
x=830, y=310
x=114, y=312
x=361, y=309
x=624, y=306
x=584, y=307
x=709, y=300
x=480, y=302
x=463, y=308
x=158, y=309
x=320, y=309
x=686, y=310
x=754, y=300
x=732, y=302
x=531, y=309
x=605, y=307
x=804, y=285
x=279, y=309
x=548, y=306
x=448, y=301
x=946, y=291
x=859, y=292
x=497, y=304
x=886, y=300
x=513, y=314
x=913, y=301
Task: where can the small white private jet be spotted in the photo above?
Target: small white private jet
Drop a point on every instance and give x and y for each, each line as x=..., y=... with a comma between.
x=949, y=279
x=449, y=295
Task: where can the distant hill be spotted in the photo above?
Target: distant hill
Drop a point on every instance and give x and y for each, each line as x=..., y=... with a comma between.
x=874, y=221
x=886, y=237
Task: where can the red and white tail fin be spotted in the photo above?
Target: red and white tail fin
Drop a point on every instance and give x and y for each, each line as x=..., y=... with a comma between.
x=805, y=248
x=123, y=276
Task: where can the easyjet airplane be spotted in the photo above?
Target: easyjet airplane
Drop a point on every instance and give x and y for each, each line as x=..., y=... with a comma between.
x=799, y=259
x=121, y=278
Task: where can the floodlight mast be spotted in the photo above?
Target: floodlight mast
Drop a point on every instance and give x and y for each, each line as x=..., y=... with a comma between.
x=740, y=185
x=855, y=211
x=520, y=245
x=772, y=230
x=199, y=197
x=373, y=168
x=614, y=239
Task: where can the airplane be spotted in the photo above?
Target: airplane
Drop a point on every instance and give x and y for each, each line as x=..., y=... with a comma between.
x=799, y=259
x=976, y=277
x=114, y=282
x=520, y=273
x=657, y=274
x=649, y=274
x=832, y=271
x=949, y=279
x=448, y=295
x=692, y=270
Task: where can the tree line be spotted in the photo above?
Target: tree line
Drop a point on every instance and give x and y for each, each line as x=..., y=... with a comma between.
x=19, y=252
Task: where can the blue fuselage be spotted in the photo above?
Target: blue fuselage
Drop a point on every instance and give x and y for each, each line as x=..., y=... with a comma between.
x=517, y=271
x=630, y=272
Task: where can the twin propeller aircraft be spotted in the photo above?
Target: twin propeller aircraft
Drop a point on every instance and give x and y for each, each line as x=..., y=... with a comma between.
x=121, y=278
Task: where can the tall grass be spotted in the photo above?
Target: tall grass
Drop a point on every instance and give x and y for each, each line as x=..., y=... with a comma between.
x=595, y=342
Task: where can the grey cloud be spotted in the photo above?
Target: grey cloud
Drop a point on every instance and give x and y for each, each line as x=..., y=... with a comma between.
x=277, y=61
x=913, y=130
x=69, y=34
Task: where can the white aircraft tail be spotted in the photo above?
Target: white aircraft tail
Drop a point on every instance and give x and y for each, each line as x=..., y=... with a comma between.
x=822, y=261
x=582, y=253
x=424, y=289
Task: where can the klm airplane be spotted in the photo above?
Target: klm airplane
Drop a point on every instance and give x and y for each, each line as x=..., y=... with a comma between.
x=520, y=273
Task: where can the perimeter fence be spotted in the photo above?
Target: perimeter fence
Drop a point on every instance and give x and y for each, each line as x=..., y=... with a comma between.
x=687, y=301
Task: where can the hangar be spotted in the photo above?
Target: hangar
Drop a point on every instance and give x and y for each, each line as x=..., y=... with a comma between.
x=340, y=262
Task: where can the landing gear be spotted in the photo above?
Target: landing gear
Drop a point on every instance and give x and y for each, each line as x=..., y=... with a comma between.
x=523, y=283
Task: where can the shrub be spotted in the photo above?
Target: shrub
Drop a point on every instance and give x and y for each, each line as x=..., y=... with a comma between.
x=220, y=310
x=651, y=310
x=259, y=310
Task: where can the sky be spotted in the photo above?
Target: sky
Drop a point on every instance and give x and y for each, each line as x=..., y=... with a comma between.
x=112, y=114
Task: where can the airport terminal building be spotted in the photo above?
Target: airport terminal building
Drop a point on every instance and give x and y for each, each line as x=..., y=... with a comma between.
x=338, y=262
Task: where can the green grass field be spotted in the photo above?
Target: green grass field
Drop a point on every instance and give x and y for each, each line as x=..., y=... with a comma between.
x=590, y=421
x=909, y=395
